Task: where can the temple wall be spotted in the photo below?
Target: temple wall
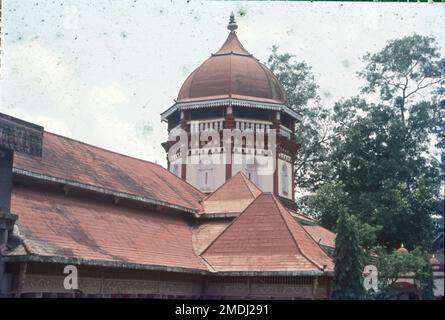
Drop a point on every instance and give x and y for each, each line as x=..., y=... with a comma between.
x=216, y=176
x=267, y=288
x=99, y=281
x=91, y=285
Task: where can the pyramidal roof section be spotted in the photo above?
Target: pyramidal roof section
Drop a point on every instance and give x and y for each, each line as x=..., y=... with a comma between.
x=237, y=187
x=231, y=197
x=265, y=237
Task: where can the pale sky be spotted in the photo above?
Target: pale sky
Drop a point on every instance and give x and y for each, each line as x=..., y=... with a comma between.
x=103, y=71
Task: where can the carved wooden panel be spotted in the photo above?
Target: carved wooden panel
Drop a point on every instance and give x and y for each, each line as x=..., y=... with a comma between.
x=21, y=136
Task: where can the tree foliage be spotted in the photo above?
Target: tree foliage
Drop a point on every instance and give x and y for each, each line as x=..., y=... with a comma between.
x=390, y=179
x=379, y=153
x=313, y=132
x=392, y=266
x=296, y=77
x=348, y=258
x=402, y=69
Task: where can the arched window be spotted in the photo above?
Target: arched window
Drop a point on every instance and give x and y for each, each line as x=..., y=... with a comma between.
x=206, y=173
x=252, y=172
x=284, y=180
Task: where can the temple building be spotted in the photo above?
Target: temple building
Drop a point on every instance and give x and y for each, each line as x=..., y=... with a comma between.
x=233, y=90
x=199, y=229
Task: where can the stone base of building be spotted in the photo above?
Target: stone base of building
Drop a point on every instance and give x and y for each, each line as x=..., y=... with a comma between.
x=47, y=281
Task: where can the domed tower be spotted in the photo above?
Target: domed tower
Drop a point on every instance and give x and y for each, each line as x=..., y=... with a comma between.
x=233, y=92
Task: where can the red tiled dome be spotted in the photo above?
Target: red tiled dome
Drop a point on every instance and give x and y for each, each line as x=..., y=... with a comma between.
x=232, y=72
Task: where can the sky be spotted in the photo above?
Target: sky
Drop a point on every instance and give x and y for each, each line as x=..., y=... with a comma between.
x=102, y=71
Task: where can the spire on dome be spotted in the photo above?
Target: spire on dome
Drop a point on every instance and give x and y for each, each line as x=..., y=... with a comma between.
x=402, y=249
x=232, y=44
x=232, y=26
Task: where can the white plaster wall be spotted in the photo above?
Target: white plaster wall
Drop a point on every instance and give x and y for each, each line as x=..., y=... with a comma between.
x=220, y=175
x=177, y=162
x=192, y=173
x=266, y=183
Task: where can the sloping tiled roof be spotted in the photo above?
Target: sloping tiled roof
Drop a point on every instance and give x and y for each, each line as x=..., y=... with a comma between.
x=55, y=225
x=204, y=233
x=265, y=237
x=231, y=197
x=302, y=218
x=318, y=233
x=76, y=161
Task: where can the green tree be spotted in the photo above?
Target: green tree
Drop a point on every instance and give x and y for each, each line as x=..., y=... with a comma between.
x=324, y=204
x=348, y=258
x=380, y=152
x=392, y=266
x=313, y=132
x=425, y=281
x=403, y=69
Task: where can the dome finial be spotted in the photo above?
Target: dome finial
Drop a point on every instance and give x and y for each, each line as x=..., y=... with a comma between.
x=232, y=26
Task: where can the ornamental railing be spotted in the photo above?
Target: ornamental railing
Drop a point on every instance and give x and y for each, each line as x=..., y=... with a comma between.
x=202, y=125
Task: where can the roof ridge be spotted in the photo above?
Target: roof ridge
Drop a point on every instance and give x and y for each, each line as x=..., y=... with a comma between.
x=122, y=155
x=309, y=235
x=212, y=193
x=221, y=186
x=247, y=182
x=104, y=149
x=291, y=234
x=229, y=225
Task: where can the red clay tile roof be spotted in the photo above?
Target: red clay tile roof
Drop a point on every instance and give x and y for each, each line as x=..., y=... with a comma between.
x=265, y=237
x=57, y=225
x=231, y=72
x=325, y=236
x=302, y=217
x=76, y=161
x=204, y=233
x=231, y=197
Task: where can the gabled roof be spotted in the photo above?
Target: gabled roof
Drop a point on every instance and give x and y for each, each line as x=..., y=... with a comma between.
x=231, y=197
x=54, y=227
x=266, y=238
x=78, y=163
x=60, y=228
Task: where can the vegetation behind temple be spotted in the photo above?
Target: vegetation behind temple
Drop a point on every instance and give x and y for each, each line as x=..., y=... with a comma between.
x=372, y=154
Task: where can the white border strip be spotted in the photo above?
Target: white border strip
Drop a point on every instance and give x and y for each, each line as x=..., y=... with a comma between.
x=233, y=102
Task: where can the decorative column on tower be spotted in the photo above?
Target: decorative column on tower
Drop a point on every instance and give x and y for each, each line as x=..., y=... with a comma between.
x=232, y=90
